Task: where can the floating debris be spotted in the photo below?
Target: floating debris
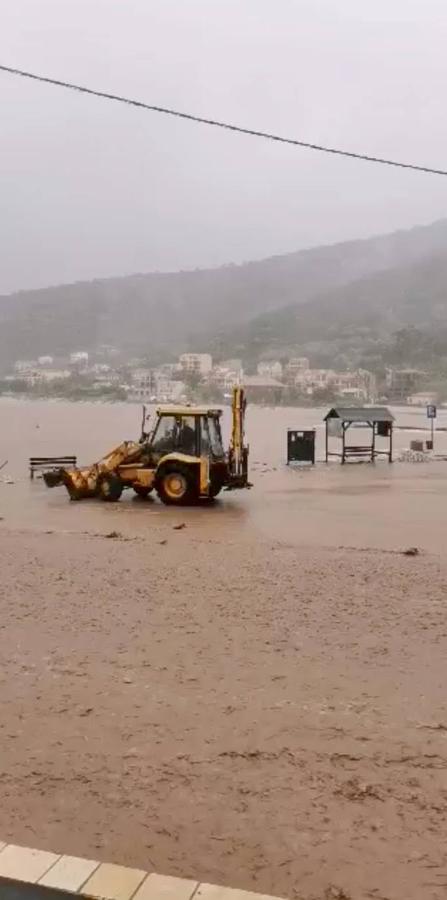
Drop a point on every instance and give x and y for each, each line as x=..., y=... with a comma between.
x=415, y=456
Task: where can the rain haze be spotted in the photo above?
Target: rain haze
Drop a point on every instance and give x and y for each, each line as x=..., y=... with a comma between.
x=224, y=662
x=91, y=188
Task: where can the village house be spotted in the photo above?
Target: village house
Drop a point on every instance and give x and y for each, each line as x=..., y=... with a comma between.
x=196, y=363
x=271, y=369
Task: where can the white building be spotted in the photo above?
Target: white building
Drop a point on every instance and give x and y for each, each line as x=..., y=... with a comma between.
x=107, y=351
x=24, y=366
x=154, y=386
x=296, y=365
x=225, y=378
x=47, y=375
x=79, y=358
x=168, y=369
x=196, y=363
x=143, y=379
x=314, y=379
x=169, y=390
x=162, y=390
x=34, y=376
x=270, y=369
x=359, y=385
x=100, y=369
x=45, y=360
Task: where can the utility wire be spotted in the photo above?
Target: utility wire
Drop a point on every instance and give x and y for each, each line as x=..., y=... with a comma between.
x=218, y=124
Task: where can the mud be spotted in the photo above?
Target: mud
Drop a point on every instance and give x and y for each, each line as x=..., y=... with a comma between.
x=254, y=699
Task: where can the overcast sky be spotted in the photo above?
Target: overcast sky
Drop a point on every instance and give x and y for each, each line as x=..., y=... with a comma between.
x=91, y=188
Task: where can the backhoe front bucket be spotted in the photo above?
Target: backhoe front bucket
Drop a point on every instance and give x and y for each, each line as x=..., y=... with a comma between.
x=83, y=483
x=54, y=478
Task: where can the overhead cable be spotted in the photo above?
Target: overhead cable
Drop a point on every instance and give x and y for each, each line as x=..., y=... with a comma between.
x=216, y=123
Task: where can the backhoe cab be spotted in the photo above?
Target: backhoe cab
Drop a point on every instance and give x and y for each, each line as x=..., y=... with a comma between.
x=182, y=458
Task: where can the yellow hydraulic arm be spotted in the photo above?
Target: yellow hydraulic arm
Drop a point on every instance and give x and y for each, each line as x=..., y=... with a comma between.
x=238, y=453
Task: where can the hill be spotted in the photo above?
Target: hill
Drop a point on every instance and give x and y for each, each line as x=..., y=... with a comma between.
x=397, y=316
x=159, y=315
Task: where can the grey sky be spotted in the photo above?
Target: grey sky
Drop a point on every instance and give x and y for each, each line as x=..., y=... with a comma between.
x=89, y=188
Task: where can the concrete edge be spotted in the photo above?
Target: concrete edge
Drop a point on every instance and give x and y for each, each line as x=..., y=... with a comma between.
x=106, y=881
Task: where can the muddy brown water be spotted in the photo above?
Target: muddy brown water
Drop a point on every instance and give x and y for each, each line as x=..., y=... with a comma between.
x=16, y=890
x=381, y=505
x=232, y=702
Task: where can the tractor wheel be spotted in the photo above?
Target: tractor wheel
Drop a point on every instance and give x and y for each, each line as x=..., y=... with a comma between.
x=176, y=485
x=216, y=485
x=141, y=490
x=74, y=494
x=110, y=488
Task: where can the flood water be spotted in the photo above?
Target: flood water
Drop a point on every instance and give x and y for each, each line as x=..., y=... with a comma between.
x=385, y=506
x=19, y=890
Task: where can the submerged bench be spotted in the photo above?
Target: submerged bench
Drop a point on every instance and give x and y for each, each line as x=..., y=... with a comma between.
x=43, y=463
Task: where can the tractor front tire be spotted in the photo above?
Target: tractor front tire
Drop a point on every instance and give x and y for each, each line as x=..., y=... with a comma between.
x=74, y=493
x=176, y=485
x=142, y=491
x=216, y=486
x=110, y=488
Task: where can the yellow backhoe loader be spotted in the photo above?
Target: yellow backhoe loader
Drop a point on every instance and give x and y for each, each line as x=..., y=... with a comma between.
x=182, y=458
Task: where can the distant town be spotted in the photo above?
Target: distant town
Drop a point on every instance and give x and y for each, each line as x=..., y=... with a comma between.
x=195, y=377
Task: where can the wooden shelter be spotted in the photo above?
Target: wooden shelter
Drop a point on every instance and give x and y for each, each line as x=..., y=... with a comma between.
x=378, y=419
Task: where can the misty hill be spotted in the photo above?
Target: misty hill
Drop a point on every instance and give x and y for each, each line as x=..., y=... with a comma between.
x=398, y=315
x=159, y=315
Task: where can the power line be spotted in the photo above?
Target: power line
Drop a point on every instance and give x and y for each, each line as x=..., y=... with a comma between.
x=218, y=124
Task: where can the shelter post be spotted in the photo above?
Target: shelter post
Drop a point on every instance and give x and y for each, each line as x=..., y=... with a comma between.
x=378, y=419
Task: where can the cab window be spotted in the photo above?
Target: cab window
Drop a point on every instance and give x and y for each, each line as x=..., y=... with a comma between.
x=205, y=443
x=164, y=438
x=175, y=434
x=186, y=435
x=215, y=437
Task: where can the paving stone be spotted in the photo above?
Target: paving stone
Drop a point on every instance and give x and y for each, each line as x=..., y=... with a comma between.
x=165, y=887
x=69, y=873
x=25, y=864
x=214, y=892
x=113, y=882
